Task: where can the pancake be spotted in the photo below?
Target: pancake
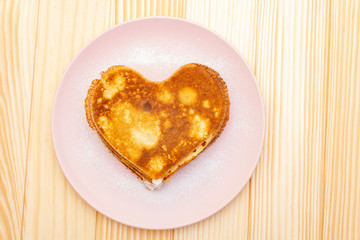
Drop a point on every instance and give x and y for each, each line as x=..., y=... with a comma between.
x=155, y=128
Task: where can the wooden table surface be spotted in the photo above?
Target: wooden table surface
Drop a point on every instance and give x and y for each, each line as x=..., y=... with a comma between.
x=306, y=57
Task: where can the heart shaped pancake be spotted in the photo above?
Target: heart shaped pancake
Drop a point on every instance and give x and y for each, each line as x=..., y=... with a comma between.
x=155, y=128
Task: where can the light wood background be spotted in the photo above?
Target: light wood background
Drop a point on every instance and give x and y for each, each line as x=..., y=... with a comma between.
x=306, y=57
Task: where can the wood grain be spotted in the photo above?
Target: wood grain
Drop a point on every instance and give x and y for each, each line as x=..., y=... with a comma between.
x=286, y=196
x=305, y=55
x=17, y=48
x=342, y=168
x=52, y=209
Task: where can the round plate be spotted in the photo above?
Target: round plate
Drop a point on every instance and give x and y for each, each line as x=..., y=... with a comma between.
x=156, y=47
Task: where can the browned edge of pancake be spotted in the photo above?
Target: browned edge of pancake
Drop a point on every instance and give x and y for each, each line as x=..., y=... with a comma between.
x=127, y=163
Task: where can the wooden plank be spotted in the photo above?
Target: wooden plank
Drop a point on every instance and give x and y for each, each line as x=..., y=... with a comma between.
x=126, y=10
x=291, y=65
x=236, y=22
x=342, y=178
x=18, y=21
x=52, y=208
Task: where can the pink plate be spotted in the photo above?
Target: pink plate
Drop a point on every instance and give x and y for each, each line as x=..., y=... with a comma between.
x=156, y=47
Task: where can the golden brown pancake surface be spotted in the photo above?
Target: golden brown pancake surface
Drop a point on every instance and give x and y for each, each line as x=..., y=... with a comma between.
x=154, y=128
